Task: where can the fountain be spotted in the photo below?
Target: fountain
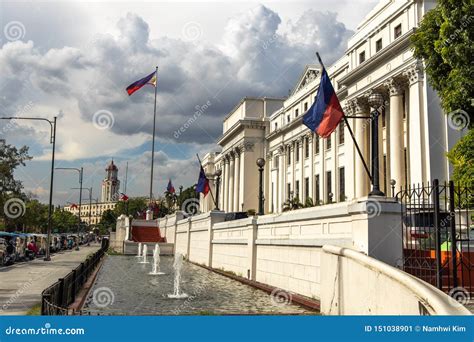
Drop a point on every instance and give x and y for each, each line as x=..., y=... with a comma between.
x=145, y=250
x=156, y=261
x=177, y=265
x=139, y=250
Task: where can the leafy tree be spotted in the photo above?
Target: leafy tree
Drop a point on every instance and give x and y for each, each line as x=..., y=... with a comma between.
x=462, y=158
x=64, y=221
x=444, y=40
x=292, y=203
x=108, y=221
x=134, y=205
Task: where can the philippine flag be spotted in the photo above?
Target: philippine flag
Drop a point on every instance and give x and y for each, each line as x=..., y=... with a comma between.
x=326, y=112
x=170, y=187
x=150, y=79
x=203, y=183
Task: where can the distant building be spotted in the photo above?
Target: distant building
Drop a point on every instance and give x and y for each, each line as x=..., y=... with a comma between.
x=91, y=213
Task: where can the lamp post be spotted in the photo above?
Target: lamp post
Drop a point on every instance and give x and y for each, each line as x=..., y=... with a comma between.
x=90, y=200
x=52, y=141
x=393, y=182
x=375, y=101
x=81, y=172
x=260, y=164
x=217, y=174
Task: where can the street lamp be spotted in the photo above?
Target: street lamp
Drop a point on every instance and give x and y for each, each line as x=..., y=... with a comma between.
x=52, y=140
x=218, y=174
x=81, y=172
x=393, y=182
x=260, y=164
x=90, y=200
x=375, y=101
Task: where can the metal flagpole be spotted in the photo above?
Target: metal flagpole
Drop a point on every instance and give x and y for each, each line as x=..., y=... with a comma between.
x=153, y=140
x=350, y=130
x=210, y=189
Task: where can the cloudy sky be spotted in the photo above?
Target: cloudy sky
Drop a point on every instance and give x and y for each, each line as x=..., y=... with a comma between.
x=74, y=60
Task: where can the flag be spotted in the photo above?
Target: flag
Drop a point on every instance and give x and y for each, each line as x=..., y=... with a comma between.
x=150, y=79
x=203, y=183
x=170, y=187
x=325, y=113
x=123, y=197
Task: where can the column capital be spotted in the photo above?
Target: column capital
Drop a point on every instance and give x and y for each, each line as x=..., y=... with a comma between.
x=247, y=146
x=395, y=86
x=414, y=73
x=358, y=105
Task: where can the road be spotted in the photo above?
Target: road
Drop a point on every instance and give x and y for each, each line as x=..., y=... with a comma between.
x=21, y=284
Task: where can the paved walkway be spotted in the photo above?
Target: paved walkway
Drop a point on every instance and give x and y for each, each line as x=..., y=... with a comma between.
x=21, y=284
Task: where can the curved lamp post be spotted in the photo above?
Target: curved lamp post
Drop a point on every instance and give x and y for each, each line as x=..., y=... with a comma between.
x=53, y=142
x=260, y=164
x=217, y=176
x=375, y=101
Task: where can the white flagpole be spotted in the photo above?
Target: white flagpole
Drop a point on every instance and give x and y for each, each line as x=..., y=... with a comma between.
x=153, y=140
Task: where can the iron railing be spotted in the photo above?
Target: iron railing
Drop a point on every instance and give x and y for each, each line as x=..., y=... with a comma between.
x=438, y=234
x=57, y=297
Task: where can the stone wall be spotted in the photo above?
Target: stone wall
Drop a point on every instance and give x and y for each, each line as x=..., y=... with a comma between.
x=284, y=250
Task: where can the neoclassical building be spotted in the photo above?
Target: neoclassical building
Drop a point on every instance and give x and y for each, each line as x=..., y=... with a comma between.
x=414, y=135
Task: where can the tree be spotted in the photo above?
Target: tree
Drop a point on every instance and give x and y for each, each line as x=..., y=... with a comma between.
x=108, y=221
x=134, y=205
x=462, y=158
x=64, y=221
x=444, y=41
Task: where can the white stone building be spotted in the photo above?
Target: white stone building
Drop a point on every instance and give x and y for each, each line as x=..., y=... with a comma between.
x=413, y=132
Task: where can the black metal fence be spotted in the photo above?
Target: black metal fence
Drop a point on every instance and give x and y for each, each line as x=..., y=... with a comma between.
x=57, y=297
x=438, y=235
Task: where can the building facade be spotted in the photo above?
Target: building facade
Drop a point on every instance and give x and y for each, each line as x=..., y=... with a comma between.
x=414, y=134
x=91, y=212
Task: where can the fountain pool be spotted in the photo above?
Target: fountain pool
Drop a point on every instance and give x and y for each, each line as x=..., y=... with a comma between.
x=132, y=291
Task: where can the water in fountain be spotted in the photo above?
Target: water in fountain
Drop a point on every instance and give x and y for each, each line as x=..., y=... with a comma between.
x=177, y=265
x=145, y=250
x=139, y=250
x=156, y=261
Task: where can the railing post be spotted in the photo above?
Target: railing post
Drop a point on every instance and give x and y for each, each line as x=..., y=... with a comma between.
x=45, y=300
x=74, y=279
x=439, y=276
x=61, y=293
x=452, y=223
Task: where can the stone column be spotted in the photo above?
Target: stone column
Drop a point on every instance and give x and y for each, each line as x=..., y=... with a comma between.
x=236, y=180
x=360, y=108
x=395, y=134
x=281, y=178
x=231, y=182
x=302, y=194
x=311, y=166
x=225, y=183
x=415, y=125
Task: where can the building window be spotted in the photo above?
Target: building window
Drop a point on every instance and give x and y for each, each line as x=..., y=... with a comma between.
x=317, y=198
x=378, y=45
x=306, y=188
x=305, y=106
x=288, y=156
x=404, y=103
x=288, y=118
x=384, y=117
x=296, y=112
x=275, y=161
x=397, y=31
x=341, y=133
x=316, y=144
x=297, y=190
x=276, y=126
x=385, y=173
x=288, y=190
x=405, y=159
x=329, y=193
x=297, y=151
x=306, y=147
x=328, y=143
x=362, y=57
x=342, y=185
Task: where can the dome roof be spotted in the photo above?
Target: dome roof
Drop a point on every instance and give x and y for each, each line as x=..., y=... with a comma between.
x=111, y=166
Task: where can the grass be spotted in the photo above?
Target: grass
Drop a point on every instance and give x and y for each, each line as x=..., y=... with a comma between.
x=111, y=251
x=35, y=310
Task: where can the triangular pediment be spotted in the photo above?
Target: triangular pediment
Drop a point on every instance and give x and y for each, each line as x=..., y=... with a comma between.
x=310, y=73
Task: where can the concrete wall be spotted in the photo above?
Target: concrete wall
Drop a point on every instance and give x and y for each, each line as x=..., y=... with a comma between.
x=121, y=233
x=355, y=284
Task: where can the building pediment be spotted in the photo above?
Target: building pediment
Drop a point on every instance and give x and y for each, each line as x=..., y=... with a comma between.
x=309, y=75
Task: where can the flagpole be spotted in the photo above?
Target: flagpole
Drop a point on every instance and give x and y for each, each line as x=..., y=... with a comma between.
x=350, y=129
x=153, y=140
x=210, y=189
